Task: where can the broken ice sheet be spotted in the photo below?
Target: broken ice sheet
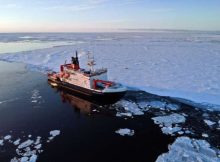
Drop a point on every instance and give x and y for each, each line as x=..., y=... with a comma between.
x=128, y=108
x=185, y=149
x=168, y=121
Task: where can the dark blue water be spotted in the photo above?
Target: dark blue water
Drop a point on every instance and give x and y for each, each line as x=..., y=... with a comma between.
x=29, y=106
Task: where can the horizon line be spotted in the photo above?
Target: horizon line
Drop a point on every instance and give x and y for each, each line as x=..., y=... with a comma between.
x=119, y=30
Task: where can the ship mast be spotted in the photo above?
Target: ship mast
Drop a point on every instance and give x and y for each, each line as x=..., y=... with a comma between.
x=91, y=61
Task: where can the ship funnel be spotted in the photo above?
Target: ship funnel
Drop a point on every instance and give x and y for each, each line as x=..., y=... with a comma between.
x=75, y=61
x=76, y=54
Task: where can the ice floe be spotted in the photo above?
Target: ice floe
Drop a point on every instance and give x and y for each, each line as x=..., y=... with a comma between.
x=17, y=142
x=167, y=123
x=1, y=142
x=7, y=137
x=205, y=135
x=29, y=149
x=129, y=108
x=25, y=144
x=53, y=134
x=185, y=149
x=125, y=132
x=209, y=122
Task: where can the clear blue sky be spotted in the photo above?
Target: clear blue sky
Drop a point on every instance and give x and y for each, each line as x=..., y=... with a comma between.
x=107, y=15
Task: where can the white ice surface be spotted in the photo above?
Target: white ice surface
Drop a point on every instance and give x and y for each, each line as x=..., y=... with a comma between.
x=184, y=65
x=7, y=137
x=25, y=144
x=1, y=142
x=17, y=142
x=125, y=131
x=167, y=122
x=209, y=122
x=129, y=109
x=185, y=149
x=55, y=133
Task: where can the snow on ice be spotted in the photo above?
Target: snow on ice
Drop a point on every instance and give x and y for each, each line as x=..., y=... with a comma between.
x=178, y=64
x=125, y=131
x=129, y=109
x=185, y=149
x=167, y=122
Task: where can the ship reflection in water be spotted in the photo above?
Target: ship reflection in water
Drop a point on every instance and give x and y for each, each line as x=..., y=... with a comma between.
x=82, y=104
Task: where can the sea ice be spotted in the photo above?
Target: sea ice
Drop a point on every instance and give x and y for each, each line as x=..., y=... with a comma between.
x=125, y=131
x=129, y=108
x=179, y=64
x=55, y=133
x=1, y=142
x=205, y=135
x=25, y=144
x=7, y=137
x=168, y=121
x=17, y=142
x=33, y=158
x=185, y=149
x=24, y=159
x=209, y=122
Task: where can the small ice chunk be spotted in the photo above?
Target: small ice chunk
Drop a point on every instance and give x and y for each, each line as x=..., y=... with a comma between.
x=171, y=130
x=17, y=142
x=24, y=159
x=172, y=106
x=180, y=132
x=38, y=146
x=33, y=158
x=37, y=140
x=29, y=136
x=1, y=142
x=7, y=137
x=120, y=114
x=205, y=135
x=125, y=131
x=209, y=122
x=188, y=132
x=55, y=133
x=14, y=160
x=25, y=144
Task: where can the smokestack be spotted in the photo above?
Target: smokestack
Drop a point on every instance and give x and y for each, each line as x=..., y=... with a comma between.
x=76, y=55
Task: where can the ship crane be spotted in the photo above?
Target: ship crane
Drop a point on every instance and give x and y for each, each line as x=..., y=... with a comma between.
x=91, y=61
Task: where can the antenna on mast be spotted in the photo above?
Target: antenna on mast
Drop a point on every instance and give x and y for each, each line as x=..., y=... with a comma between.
x=91, y=61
